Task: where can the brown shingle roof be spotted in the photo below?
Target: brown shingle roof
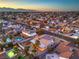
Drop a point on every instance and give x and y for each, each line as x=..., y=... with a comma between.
x=66, y=54
x=63, y=47
x=64, y=50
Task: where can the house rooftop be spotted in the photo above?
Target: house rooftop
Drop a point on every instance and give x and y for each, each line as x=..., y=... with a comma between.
x=64, y=50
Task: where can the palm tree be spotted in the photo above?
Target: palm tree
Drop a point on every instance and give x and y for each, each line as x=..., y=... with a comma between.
x=26, y=50
x=37, y=43
x=11, y=36
x=10, y=45
x=1, y=24
x=77, y=42
x=31, y=56
x=1, y=48
x=4, y=39
x=28, y=55
x=34, y=52
x=40, y=31
x=21, y=57
x=16, y=50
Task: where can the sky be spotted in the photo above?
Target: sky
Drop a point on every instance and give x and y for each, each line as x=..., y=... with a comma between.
x=42, y=4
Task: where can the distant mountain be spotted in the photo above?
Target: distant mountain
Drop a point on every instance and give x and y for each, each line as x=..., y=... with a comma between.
x=15, y=10
x=28, y=10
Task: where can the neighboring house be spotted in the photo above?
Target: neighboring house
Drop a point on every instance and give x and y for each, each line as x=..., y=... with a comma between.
x=28, y=33
x=75, y=35
x=65, y=51
x=45, y=40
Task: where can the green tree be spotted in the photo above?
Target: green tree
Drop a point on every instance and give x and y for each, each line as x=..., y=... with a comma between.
x=11, y=36
x=77, y=41
x=26, y=50
x=21, y=57
x=1, y=48
x=4, y=39
x=37, y=43
x=34, y=52
x=40, y=31
x=31, y=56
x=10, y=45
x=16, y=50
x=1, y=24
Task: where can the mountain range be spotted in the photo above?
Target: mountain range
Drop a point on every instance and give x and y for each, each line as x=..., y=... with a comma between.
x=16, y=10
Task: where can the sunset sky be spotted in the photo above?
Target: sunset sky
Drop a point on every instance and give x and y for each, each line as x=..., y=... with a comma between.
x=42, y=4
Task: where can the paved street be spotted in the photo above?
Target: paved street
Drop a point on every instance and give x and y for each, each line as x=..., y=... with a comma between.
x=60, y=36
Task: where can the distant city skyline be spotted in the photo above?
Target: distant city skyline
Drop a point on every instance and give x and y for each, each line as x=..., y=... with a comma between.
x=66, y=5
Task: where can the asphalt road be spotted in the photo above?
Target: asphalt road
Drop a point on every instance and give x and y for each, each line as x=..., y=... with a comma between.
x=60, y=36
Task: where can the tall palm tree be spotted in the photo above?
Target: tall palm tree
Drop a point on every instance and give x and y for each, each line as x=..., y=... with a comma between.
x=16, y=50
x=26, y=50
x=40, y=31
x=10, y=45
x=34, y=52
x=4, y=39
x=1, y=48
x=21, y=57
x=1, y=24
x=27, y=54
x=77, y=42
x=11, y=36
x=31, y=56
x=37, y=43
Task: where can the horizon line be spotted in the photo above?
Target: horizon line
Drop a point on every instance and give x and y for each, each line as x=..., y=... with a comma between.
x=40, y=9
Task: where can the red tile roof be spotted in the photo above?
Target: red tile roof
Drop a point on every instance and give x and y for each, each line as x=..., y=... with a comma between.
x=64, y=50
x=66, y=54
x=63, y=47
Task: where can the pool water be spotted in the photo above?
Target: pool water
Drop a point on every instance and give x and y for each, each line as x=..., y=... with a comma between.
x=18, y=39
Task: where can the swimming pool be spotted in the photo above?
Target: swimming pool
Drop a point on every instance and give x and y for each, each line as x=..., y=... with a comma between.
x=18, y=39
